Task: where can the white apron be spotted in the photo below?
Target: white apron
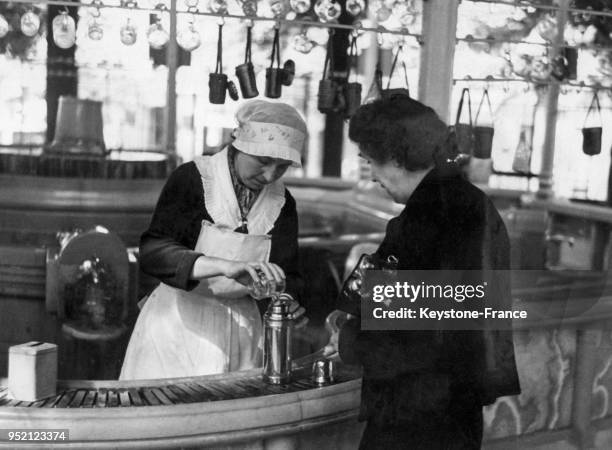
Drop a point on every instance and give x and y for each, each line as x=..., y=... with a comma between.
x=216, y=327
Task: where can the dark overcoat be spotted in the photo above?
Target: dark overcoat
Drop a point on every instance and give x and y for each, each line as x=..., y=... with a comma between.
x=420, y=380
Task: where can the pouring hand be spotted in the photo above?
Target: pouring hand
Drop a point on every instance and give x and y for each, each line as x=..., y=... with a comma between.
x=332, y=346
x=245, y=271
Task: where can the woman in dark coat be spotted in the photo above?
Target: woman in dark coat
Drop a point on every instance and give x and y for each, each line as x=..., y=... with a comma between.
x=426, y=389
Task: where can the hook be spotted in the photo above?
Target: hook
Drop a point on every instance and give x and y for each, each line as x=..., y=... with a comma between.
x=95, y=12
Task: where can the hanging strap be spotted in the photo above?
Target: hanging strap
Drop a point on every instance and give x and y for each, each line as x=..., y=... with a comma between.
x=465, y=91
x=329, y=56
x=275, y=49
x=247, y=51
x=352, y=56
x=594, y=101
x=219, y=66
x=378, y=75
x=399, y=50
x=484, y=94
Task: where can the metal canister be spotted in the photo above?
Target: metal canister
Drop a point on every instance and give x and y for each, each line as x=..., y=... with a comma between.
x=278, y=324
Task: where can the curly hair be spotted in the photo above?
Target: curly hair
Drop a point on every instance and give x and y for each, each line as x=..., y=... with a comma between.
x=403, y=130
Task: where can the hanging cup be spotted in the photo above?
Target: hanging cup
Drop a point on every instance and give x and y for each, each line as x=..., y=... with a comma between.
x=464, y=134
x=352, y=96
x=274, y=75
x=217, y=84
x=483, y=141
x=591, y=136
x=246, y=72
x=591, y=141
x=288, y=72
x=483, y=134
x=326, y=101
x=390, y=92
x=274, y=84
x=571, y=57
x=395, y=92
x=232, y=90
x=246, y=78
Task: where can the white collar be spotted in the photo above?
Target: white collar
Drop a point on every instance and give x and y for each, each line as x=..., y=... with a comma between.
x=221, y=202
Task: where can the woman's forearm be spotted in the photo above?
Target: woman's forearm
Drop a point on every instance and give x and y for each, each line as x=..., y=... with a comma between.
x=208, y=266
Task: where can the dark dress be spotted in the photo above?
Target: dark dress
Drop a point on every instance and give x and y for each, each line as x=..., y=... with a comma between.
x=166, y=247
x=426, y=389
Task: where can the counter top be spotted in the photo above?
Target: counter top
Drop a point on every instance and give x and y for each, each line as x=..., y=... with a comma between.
x=215, y=409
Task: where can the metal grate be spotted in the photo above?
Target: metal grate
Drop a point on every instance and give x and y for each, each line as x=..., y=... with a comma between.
x=170, y=394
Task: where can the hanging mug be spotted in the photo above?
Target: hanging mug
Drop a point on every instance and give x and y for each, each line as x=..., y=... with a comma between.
x=245, y=72
x=352, y=96
x=274, y=75
x=464, y=133
x=232, y=90
x=217, y=82
x=351, y=90
x=64, y=30
x=570, y=55
x=328, y=89
x=483, y=135
x=246, y=78
x=274, y=85
x=288, y=72
x=591, y=136
x=326, y=96
x=217, y=85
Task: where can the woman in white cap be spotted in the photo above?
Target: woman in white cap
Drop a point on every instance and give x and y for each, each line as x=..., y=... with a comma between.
x=219, y=221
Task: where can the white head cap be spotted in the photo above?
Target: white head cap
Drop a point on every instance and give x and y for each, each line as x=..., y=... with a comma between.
x=275, y=130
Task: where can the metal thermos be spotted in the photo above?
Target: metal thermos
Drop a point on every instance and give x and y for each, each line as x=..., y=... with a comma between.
x=278, y=324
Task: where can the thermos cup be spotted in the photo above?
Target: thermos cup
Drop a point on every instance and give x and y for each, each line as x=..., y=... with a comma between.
x=246, y=77
x=274, y=82
x=217, y=84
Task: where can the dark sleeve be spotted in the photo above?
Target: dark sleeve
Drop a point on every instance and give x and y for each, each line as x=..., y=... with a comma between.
x=284, y=251
x=166, y=247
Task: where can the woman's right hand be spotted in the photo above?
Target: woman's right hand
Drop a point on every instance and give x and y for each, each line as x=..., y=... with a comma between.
x=245, y=271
